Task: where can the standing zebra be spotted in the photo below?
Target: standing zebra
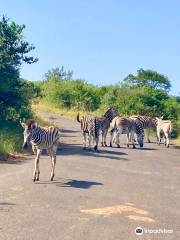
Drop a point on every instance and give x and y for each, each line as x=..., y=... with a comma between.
x=148, y=123
x=165, y=127
x=41, y=138
x=90, y=126
x=127, y=126
x=109, y=115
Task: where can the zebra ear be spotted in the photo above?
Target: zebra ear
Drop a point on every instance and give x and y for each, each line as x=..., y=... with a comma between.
x=23, y=124
x=161, y=117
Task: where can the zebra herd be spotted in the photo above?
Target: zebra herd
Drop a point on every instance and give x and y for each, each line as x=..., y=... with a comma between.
x=92, y=127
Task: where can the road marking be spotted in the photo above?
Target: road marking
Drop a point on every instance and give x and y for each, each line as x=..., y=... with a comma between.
x=17, y=188
x=140, y=218
x=118, y=209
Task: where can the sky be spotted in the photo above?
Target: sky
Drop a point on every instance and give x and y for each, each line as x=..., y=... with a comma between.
x=102, y=41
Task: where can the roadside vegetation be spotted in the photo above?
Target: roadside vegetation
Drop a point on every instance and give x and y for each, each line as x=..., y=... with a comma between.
x=16, y=94
x=145, y=93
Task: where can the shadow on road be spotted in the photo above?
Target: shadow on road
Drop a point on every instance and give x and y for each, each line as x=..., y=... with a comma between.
x=72, y=183
x=76, y=149
x=79, y=184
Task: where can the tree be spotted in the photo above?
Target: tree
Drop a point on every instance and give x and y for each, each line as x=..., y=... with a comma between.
x=148, y=78
x=13, y=52
x=58, y=72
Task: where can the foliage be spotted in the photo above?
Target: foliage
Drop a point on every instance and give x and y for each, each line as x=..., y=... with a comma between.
x=146, y=97
x=148, y=78
x=15, y=93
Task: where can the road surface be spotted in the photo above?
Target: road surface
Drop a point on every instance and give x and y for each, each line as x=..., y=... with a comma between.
x=94, y=196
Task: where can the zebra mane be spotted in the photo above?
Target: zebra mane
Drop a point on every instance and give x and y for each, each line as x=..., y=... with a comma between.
x=110, y=110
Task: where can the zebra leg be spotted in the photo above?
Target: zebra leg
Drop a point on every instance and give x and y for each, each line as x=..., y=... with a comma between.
x=53, y=162
x=36, y=167
x=102, y=142
x=105, y=135
x=166, y=135
x=89, y=140
x=158, y=136
x=96, y=143
x=118, y=139
x=132, y=139
x=128, y=139
x=84, y=140
x=148, y=133
x=34, y=149
x=111, y=137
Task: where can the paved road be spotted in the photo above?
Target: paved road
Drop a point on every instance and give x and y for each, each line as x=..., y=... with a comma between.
x=95, y=196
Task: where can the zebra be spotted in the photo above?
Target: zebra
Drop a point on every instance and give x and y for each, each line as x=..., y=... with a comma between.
x=109, y=115
x=165, y=127
x=41, y=138
x=128, y=126
x=90, y=126
x=148, y=123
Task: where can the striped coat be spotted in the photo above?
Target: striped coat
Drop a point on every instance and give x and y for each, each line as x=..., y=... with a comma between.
x=90, y=127
x=127, y=126
x=148, y=123
x=164, y=127
x=41, y=138
x=109, y=115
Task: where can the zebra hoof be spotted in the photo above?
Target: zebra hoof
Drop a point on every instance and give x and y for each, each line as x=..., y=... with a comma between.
x=110, y=145
x=105, y=144
x=128, y=145
x=134, y=147
x=149, y=141
x=118, y=145
x=167, y=146
x=95, y=148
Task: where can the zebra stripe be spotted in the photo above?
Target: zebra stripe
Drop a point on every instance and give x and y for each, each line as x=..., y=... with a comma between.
x=127, y=126
x=148, y=123
x=41, y=138
x=90, y=127
x=165, y=127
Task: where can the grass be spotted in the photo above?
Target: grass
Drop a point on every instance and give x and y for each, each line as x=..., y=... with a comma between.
x=11, y=138
x=44, y=107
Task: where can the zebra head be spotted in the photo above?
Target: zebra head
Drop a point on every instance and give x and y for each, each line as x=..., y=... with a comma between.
x=110, y=114
x=140, y=133
x=29, y=129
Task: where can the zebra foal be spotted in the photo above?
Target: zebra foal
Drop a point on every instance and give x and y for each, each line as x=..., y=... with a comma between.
x=127, y=126
x=165, y=127
x=41, y=138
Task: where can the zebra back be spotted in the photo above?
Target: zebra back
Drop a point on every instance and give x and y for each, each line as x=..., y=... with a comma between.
x=147, y=122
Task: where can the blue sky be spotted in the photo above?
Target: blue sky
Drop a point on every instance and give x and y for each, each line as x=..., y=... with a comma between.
x=101, y=41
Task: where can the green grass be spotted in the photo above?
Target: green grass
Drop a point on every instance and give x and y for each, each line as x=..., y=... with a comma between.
x=11, y=138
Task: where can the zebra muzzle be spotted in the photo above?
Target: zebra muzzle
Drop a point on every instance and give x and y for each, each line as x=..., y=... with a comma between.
x=24, y=145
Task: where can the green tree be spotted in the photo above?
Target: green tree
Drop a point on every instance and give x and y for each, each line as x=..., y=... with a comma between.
x=147, y=78
x=14, y=96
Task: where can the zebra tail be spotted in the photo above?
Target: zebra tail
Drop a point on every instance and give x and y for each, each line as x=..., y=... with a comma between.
x=78, y=119
x=96, y=128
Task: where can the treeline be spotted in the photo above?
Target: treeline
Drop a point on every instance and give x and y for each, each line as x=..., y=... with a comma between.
x=16, y=94
x=145, y=93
